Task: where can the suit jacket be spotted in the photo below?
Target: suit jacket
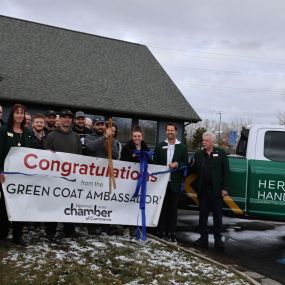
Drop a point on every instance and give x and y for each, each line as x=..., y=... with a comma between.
x=219, y=170
x=180, y=156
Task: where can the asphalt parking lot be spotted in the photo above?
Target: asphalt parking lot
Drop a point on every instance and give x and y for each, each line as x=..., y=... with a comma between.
x=254, y=245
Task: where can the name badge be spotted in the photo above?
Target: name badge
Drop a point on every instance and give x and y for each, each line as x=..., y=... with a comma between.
x=215, y=155
x=164, y=147
x=10, y=134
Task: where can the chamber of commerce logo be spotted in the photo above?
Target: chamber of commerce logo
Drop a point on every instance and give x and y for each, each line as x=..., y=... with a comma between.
x=91, y=211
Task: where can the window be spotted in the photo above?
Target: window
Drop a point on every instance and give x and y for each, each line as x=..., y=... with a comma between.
x=124, y=128
x=274, y=146
x=149, y=129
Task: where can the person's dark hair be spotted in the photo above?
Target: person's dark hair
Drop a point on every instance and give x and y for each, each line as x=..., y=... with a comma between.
x=38, y=116
x=137, y=128
x=171, y=124
x=10, y=121
x=107, y=125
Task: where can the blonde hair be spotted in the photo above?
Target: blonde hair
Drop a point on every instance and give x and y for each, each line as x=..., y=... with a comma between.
x=209, y=134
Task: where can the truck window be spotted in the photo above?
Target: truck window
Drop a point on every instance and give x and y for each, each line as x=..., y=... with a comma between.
x=242, y=144
x=274, y=146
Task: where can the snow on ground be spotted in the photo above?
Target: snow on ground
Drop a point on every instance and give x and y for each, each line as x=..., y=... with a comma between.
x=148, y=262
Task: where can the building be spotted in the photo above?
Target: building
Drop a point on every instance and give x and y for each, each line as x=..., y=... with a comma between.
x=47, y=67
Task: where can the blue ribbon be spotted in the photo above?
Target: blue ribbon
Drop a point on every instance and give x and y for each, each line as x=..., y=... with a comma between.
x=185, y=173
x=143, y=157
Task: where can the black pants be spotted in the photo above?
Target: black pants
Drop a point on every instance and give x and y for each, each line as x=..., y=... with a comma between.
x=4, y=222
x=208, y=201
x=68, y=229
x=168, y=216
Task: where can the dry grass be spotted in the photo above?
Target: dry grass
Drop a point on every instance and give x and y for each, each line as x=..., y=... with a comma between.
x=106, y=260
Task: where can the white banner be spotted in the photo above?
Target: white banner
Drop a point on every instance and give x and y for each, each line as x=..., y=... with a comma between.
x=60, y=187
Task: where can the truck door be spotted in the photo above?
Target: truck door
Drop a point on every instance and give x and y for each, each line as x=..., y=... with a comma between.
x=266, y=174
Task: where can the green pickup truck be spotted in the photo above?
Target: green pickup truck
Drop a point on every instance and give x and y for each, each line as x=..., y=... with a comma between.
x=257, y=176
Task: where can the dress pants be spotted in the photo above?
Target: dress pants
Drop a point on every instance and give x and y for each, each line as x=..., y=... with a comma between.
x=208, y=201
x=168, y=216
x=4, y=222
x=68, y=229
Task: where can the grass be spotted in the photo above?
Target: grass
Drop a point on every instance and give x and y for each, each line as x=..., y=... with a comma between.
x=108, y=260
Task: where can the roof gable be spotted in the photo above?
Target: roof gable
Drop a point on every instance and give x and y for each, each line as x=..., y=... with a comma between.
x=48, y=65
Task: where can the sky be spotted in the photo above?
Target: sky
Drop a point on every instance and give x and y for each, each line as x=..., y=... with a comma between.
x=225, y=56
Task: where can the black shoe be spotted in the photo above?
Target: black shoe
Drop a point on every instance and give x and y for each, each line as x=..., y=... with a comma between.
x=166, y=236
x=160, y=234
x=201, y=242
x=219, y=244
x=19, y=241
x=173, y=239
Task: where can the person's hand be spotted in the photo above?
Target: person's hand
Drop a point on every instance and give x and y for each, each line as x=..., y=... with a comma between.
x=224, y=193
x=2, y=178
x=109, y=133
x=173, y=165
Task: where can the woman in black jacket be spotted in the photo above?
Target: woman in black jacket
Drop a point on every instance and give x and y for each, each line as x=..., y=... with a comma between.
x=135, y=143
x=14, y=134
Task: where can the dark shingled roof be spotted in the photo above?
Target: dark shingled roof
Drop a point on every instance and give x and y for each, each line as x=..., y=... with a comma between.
x=46, y=65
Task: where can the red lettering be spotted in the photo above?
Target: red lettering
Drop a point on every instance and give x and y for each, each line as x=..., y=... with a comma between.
x=134, y=175
x=28, y=156
x=42, y=166
x=153, y=178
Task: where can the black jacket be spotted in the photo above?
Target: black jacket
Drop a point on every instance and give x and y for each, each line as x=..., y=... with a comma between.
x=38, y=142
x=219, y=170
x=128, y=151
x=8, y=139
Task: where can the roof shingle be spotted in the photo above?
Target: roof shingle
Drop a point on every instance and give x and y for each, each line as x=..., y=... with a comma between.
x=52, y=66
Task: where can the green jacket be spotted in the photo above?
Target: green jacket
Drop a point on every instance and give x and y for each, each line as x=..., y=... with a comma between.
x=180, y=156
x=8, y=140
x=219, y=169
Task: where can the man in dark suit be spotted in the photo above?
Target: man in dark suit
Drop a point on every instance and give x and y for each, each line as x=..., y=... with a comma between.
x=212, y=167
x=173, y=153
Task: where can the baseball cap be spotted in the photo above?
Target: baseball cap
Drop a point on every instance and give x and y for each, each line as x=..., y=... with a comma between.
x=79, y=114
x=100, y=120
x=50, y=113
x=65, y=112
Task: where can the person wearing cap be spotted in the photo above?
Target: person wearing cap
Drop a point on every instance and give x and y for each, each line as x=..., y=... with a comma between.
x=79, y=124
x=56, y=141
x=96, y=146
x=99, y=129
x=99, y=126
x=79, y=128
x=50, y=121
